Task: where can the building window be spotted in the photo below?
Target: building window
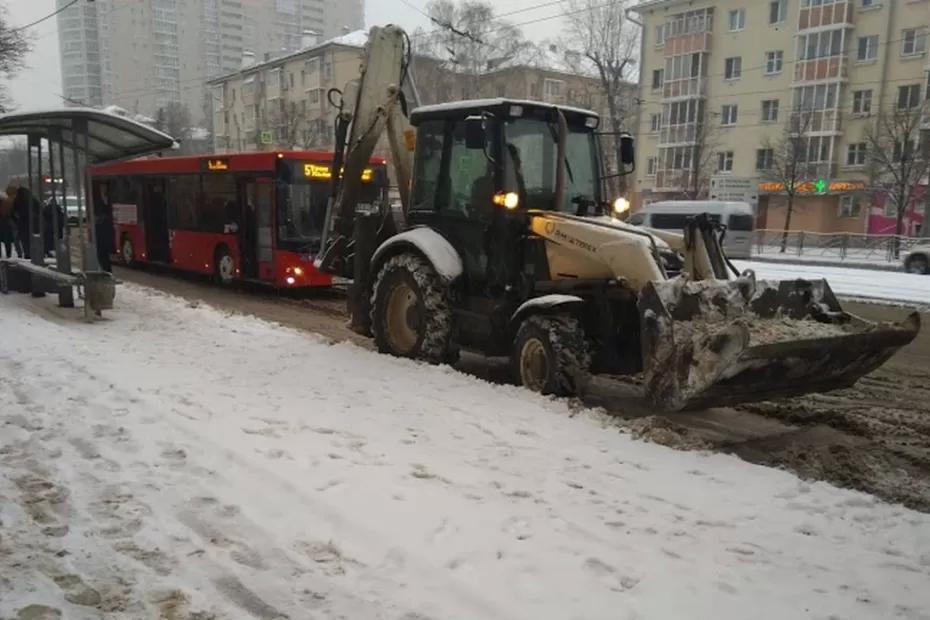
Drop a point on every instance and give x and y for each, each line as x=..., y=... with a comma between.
x=774, y=62
x=903, y=153
x=868, y=3
x=725, y=161
x=868, y=48
x=655, y=122
x=764, y=159
x=770, y=110
x=820, y=44
x=908, y=96
x=850, y=205
x=862, y=102
x=856, y=154
x=913, y=41
x=553, y=88
x=651, y=166
x=660, y=35
x=733, y=68
x=736, y=20
x=819, y=149
x=658, y=76
x=778, y=10
x=729, y=114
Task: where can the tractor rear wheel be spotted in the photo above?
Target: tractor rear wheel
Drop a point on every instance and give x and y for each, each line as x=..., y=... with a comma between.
x=410, y=311
x=551, y=355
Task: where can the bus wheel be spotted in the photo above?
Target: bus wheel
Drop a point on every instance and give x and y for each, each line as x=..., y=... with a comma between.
x=224, y=268
x=127, y=251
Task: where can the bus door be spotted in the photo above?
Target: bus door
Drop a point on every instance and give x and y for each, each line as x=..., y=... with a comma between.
x=255, y=233
x=156, y=220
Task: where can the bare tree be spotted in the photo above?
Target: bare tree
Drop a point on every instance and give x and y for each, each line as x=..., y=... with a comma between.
x=600, y=35
x=787, y=164
x=289, y=122
x=175, y=120
x=468, y=40
x=899, y=154
x=14, y=45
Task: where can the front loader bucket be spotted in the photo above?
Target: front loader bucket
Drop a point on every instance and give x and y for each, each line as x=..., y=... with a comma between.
x=710, y=343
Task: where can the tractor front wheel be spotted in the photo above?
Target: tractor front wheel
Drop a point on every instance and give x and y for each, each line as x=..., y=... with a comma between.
x=551, y=355
x=410, y=311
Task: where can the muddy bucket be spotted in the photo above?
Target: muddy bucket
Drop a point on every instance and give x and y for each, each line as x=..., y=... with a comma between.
x=711, y=343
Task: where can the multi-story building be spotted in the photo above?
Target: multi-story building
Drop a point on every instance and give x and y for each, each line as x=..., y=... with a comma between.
x=725, y=83
x=281, y=102
x=146, y=54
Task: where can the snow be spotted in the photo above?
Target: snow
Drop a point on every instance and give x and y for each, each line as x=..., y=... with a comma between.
x=850, y=282
x=356, y=38
x=547, y=301
x=434, y=246
x=174, y=459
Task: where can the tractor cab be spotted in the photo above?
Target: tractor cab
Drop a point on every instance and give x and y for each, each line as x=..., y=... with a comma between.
x=482, y=167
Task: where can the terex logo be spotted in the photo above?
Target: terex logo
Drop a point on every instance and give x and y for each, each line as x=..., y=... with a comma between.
x=561, y=235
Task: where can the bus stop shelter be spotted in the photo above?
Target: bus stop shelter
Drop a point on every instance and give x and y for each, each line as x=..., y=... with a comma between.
x=91, y=137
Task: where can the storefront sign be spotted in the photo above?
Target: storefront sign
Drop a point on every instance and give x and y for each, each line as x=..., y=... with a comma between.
x=820, y=186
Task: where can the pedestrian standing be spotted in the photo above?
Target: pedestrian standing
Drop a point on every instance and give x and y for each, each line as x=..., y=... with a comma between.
x=7, y=231
x=21, y=211
x=103, y=228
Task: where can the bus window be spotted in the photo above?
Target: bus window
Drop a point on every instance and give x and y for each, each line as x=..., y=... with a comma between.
x=182, y=193
x=741, y=222
x=219, y=206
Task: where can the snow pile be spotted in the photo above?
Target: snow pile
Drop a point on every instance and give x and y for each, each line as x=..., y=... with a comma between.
x=177, y=462
x=849, y=282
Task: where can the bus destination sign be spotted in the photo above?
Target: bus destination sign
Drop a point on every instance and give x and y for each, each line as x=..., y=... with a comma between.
x=324, y=172
x=217, y=165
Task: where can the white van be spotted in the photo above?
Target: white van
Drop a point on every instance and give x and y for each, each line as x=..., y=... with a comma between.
x=738, y=217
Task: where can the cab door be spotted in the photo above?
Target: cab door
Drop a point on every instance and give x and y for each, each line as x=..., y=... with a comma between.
x=453, y=192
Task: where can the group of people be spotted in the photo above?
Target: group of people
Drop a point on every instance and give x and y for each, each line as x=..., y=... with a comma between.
x=18, y=210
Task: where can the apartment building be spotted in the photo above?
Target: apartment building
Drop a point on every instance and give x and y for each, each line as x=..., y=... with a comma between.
x=145, y=54
x=724, y=82
x=281, y=103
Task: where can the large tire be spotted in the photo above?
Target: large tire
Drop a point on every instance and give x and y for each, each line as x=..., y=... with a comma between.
x=224, y=266
x=551, y=355
x=918, y=263
x=410, y=311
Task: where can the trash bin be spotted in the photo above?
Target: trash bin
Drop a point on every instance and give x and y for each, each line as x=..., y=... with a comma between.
x=99, y=290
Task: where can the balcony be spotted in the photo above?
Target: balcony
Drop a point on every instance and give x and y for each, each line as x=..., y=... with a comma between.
x=677, y=89
x=838, y=13
x=688, y=43
x=818, y=69
x=673, y=135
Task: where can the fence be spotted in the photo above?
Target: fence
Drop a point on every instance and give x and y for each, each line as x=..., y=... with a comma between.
x=848, y=248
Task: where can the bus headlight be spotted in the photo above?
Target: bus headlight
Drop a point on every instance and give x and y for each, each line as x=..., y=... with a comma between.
x=298, y=271
x=621, y=205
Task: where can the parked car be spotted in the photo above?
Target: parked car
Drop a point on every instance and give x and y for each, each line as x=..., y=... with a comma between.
x=72, y=207
x=917, y=259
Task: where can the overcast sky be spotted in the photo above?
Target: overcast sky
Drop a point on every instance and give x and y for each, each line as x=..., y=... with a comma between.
x=40, y=83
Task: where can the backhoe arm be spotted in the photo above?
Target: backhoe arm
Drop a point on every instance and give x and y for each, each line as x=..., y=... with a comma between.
x=377, y=107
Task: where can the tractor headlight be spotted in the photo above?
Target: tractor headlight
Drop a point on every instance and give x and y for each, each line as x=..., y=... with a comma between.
x=509, y=200
x=621, y=205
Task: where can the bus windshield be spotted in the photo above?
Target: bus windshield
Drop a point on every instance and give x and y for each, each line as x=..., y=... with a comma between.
x=530, y=164
x=302, y=202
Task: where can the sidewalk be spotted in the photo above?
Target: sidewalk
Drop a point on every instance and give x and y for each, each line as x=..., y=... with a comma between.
x=876, y=264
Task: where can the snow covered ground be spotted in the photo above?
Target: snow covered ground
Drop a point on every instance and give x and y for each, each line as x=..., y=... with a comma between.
x=851, y=282
x=176, y=462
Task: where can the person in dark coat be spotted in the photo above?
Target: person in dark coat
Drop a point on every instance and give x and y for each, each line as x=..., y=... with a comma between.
x=48, y=219
x=7, y=230
x=21, y=205
x=103, y=228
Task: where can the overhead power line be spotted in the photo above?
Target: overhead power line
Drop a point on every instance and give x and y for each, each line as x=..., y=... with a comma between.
x=47, y=17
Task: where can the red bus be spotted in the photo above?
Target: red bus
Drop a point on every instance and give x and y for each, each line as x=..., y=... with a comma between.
x=245, y=216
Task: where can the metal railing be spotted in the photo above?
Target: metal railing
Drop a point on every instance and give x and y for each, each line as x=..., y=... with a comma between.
x=830, y=247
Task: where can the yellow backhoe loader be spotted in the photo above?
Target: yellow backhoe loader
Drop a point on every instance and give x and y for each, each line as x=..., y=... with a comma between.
x=506, y=245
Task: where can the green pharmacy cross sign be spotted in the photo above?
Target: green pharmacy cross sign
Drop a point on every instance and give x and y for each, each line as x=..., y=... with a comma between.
x=821, y=186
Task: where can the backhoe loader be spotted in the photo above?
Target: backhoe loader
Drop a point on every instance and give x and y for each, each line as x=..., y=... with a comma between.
x=506, y=245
